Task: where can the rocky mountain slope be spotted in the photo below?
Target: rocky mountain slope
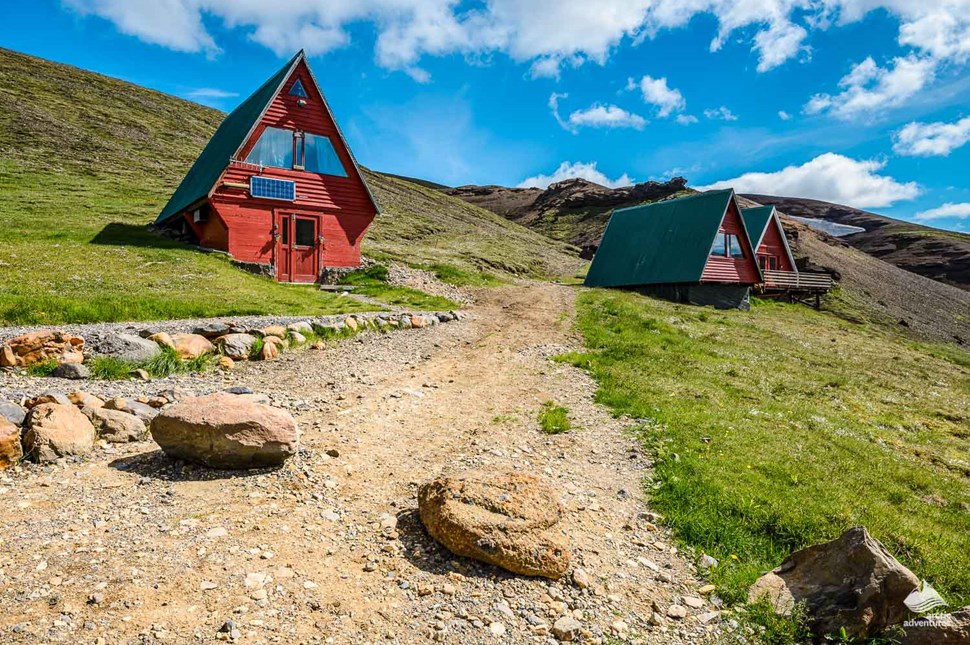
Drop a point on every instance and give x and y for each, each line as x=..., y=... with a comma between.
x=87, y=161
x=934, y=253
x=574, y=210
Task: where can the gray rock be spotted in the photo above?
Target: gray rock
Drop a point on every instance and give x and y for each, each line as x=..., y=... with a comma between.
x=125, y=347
x=116, y=426
x=143, y=411
x=214, y=330
x=301, y=327
x=851, y=582
x=236, y=346
x=567, y=628
x=239, y=389
x=74, y=371
x=12, y=413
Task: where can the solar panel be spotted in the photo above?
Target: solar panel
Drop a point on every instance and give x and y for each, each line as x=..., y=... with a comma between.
x=272, y=188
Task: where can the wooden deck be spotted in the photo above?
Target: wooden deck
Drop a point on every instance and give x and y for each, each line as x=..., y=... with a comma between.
x=795, y=286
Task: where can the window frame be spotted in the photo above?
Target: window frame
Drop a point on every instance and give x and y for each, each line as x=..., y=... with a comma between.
x=729, y=247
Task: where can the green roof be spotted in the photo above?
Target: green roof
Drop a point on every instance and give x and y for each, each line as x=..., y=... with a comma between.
x=661, y=243
x=232, y=133
x=756, y=221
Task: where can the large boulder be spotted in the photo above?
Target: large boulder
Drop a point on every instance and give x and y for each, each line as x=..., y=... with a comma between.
x=223, y=430
x=11, y=451
x=236, y=346
x=508, y=519
x=851, y=582
x=125, y=347
x=55, y=430
x=12, y=413
x=946, y=629
x=115, y=426
x=190, y=346
x=41, y=347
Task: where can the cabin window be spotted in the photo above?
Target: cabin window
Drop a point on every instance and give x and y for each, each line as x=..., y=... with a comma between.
x=320, y=157
x=720, y=244
x=274, y=148
x=297, y=89
x=734, y=246
x=279, y=148
x=305, y=232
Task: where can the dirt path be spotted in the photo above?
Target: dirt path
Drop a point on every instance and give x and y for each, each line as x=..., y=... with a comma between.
x=131, y=548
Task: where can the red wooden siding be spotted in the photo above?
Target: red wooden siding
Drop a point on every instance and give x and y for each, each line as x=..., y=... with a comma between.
x=732, y=270
x=773, y=245
x=341, y=205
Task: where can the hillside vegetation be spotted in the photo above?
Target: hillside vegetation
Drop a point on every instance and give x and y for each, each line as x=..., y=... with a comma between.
x=86, y=162
x=779, y=428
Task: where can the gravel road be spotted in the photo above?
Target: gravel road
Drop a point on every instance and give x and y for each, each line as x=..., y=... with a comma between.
x=130, y=547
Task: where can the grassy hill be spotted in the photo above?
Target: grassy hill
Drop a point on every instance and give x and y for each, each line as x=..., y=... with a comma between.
x=86, y=161
x=781, y=427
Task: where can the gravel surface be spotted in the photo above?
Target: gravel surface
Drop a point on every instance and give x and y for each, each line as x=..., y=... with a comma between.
x=127, y=546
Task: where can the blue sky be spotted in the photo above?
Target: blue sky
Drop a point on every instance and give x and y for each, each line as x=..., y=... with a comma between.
x=863, y=102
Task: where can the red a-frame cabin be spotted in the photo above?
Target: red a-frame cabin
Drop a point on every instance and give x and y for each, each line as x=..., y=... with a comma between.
x=277, y=186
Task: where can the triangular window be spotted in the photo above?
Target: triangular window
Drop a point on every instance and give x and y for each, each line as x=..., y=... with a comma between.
x=297, y=89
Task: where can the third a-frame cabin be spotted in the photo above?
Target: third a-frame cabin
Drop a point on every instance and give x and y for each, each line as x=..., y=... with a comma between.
x=277, y=187
x=694, y=249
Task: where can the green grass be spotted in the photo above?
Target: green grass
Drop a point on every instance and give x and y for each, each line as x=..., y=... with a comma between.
x=554, y=418
x=109, y=368
x=372, y=282
x=464, y=278
x=780, y=428
x=42, y=369
x=165, y=363
x=86, y=162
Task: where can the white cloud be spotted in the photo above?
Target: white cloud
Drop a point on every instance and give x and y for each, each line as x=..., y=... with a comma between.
x=686, y=119
x=605, y=116
x=720, y=114
x=869, y=87
x=548, y=34
x=567, y=170
x=946, y=211
x=595, y=116
x=655, y=91
x=931, y=139
x=784, y=116
x=829, y=177
x=210, y=93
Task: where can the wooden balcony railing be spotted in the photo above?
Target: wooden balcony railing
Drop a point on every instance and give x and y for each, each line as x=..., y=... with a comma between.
x=790, y=280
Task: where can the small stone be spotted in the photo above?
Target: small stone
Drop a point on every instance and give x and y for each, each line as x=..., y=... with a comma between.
x=693, y=602
x=581, y=578
x=74, y=371
x=709, y=617
x=208, y=585
x=706, y=589
x=706, y=562
x=678, y=612
x=449, y=590
x=216, y=532
x=496, y=629
x=566, y=628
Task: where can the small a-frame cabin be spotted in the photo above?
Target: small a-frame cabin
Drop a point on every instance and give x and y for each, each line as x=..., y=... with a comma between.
x=781, y=277
x=277, y=187
x=694, y=250
x=768, y=238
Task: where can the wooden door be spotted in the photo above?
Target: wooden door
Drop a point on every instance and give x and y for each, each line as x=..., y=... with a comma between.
x=284, y=247
x=304, y=249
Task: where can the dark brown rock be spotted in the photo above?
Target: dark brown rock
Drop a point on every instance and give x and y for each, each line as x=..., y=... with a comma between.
x=946, y=629
x=851, y=582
